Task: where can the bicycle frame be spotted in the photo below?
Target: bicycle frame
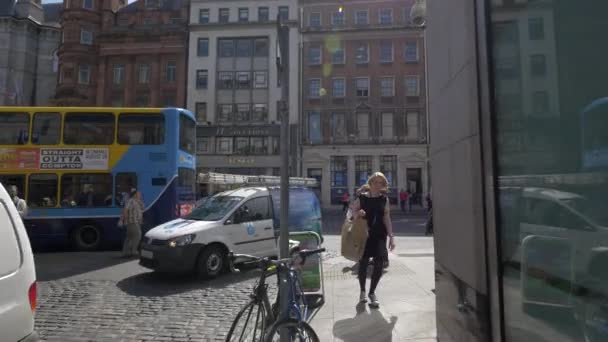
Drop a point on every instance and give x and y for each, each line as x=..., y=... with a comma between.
x=286, y=271
x=294, y=286
x=261, y=295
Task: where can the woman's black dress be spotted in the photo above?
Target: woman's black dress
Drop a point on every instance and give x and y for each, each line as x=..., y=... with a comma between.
x=374, y=207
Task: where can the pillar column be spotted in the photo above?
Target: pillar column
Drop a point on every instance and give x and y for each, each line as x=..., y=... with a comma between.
x=326, y=186
x=101, y=83
x=425, y=183
x=129, y=85
x=351, y=174
x=376, y=162
x=401, y=172
x=182, y=79
x=155, y=100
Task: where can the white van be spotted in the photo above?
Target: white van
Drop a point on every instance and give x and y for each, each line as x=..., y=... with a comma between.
x=17, y=276
x=559, y=214
x=242, y=221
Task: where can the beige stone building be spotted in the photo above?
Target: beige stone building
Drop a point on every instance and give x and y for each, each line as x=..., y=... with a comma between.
x=233, y=85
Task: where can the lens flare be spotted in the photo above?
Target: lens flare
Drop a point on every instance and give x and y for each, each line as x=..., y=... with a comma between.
x=327, y=68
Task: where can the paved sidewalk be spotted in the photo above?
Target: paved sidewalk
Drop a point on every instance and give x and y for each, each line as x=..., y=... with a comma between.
x=407, y=303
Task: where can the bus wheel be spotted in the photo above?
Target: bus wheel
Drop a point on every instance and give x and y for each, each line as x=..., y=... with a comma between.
x=211, y=262
x=86, y=238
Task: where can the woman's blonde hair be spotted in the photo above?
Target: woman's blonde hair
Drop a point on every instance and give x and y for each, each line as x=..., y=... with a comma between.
x=381, y=176
x=363, y=189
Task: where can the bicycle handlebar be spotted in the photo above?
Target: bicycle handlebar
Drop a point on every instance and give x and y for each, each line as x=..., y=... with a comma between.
x=308, y=252
x=303, y=254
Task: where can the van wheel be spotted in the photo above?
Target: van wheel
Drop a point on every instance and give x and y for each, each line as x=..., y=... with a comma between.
x=211, y=262
x=86, y=238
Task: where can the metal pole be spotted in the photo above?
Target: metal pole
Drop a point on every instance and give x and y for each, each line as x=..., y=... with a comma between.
x=283, y=69
x=283, y=39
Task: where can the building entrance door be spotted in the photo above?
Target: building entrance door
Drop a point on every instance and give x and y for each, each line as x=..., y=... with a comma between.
x=414, y=184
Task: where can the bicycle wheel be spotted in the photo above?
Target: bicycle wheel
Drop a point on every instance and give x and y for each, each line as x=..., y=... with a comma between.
x=249, y=324
x=299, y=331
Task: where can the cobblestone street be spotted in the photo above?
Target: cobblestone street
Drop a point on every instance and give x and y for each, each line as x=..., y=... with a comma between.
x=145, y=307
x=99, y=297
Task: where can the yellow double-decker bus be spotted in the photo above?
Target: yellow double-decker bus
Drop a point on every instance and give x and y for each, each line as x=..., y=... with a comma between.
x=76, y=166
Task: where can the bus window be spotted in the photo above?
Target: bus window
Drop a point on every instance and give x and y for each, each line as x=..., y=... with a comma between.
x=187, y=134
x=186, y=178
x=46, y=128
x=124, y=183
x=160, y=181
x=14, y=128
x=88, y=190
x=88, y=129
x=42, y=191
x=18, y=180
x=141, y=129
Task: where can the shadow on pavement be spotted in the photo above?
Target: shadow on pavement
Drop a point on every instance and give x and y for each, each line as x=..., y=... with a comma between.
x=367, y=325
x=160, y=285
x=354, y=270
x=54, y=266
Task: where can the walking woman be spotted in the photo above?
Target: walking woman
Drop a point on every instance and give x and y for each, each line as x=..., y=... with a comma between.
x=133, y=218
x=373, y=206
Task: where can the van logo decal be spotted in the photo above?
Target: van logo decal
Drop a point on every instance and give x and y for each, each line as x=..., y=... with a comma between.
x=250, y=229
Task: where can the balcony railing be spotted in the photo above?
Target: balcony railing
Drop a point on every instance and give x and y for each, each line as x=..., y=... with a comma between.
x=352, y=26
x=352, y=140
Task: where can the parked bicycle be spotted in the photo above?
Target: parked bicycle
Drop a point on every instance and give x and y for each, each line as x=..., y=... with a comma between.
x=258, y=320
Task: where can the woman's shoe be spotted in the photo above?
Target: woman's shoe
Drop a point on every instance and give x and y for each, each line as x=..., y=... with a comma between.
x=373, y=301
x=362, y=298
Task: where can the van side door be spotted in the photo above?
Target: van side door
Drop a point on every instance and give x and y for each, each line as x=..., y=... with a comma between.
x=253, y=227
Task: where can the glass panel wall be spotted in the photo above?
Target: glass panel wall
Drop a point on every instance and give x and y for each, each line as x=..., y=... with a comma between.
x=551, y=133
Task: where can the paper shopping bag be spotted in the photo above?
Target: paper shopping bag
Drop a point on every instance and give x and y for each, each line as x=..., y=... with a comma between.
x=354, y=236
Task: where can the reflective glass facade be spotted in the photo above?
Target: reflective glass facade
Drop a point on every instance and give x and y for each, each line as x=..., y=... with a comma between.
x=551, y=132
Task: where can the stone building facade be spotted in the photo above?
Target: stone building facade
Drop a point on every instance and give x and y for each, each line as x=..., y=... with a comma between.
x=233, y=84
x=29, y=39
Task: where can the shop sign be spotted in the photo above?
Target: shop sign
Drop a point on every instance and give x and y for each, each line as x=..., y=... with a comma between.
x=241, y=160
x=239, y=131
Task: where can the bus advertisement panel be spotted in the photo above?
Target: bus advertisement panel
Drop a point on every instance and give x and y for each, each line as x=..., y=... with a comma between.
x=75, y=167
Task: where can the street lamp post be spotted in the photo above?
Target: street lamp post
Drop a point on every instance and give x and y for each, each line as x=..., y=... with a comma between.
x=283, y=73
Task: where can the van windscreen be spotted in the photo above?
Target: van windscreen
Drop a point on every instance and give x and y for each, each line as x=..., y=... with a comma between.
x=214, y=208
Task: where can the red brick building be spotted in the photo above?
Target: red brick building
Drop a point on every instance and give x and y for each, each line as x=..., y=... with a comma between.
x=363, y=98
x=114, y=54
